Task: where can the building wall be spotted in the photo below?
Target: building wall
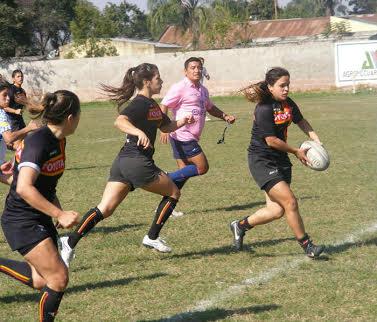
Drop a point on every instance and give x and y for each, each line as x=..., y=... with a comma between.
x=354, y=26
x=123, y=48
x=311, y=65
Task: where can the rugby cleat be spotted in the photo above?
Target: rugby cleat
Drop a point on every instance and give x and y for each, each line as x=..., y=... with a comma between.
x=238, y=235
x=311, y=250
x=177, y=213
x=158, y=244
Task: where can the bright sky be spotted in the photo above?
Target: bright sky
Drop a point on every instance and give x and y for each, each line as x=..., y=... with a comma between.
x=142, y=4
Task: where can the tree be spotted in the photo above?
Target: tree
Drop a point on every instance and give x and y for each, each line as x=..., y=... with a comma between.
x=187, y=14
x=14, y=34
x=48, y=21
x=90, y=29
x=162, y=14
x=312, y=8
x=262, y=9
x=363, y=6
x=128, y=19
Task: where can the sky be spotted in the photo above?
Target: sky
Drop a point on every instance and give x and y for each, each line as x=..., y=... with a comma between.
x=142, y=4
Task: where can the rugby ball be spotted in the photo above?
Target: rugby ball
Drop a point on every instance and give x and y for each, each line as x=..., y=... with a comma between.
x=317, y=155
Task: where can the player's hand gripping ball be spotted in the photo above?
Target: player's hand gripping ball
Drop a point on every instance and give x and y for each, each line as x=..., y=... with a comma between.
x=318, y=156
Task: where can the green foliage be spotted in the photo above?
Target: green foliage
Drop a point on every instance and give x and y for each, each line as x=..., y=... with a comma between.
x=164, y=13
x=312, y=8
x=129, y=21
x=220, y=19
x=89, y=28
x=338, y=29
x=90, y=23
x=363, y=6
x=262, y=9
x=14, y=32
x=303, y=9
x=70, y=55
x=218, y=27
x=48, y=21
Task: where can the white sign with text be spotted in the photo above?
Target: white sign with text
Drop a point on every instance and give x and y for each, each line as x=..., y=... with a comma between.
x=356, y=63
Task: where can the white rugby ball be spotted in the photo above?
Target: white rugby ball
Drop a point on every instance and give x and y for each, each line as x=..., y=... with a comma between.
x=317, y=155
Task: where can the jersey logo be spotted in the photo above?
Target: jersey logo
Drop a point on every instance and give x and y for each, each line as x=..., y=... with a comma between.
x=18, y=152
x=154, y=113
x=283, y=115
x=54, y=166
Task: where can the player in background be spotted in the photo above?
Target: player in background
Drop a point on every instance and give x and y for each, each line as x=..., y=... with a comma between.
x=7, y=137
x=190, y=97
x=32, y=204
x=15, y=109
x=134, y=166
x=269, y=163
x=204, y=75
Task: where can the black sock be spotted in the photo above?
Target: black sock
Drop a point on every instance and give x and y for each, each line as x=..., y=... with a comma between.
x=180, y=184
x=164, y=210
x=304, y=241
x=90, y=219
x=244, y=224
x=20, y=271
x=49, y=304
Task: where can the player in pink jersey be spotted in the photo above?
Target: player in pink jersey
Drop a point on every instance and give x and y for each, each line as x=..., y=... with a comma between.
x=190, y=97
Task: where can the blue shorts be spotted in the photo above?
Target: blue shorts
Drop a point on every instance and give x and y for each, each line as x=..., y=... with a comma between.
x=185, y=149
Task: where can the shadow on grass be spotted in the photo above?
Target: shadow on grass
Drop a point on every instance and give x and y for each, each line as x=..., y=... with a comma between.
x=250, y=205
x=335, y=249
x=217, y=314
x=114, y=229
x=230, y=249
x=81, y=288
x=236, y=207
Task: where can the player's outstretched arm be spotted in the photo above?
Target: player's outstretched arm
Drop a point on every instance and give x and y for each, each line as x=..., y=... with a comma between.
x=216, y=112
x=305, y=127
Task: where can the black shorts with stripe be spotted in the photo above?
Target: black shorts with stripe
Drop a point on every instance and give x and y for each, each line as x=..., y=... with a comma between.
x=134, y=171
x=24, y=235
x=268, y=173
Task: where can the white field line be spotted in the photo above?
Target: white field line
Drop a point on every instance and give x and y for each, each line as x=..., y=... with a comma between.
x=264, y=277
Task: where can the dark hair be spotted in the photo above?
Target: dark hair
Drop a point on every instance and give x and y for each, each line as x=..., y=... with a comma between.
x=54, y=107
x=191, y=59
x=259, y=92
x=3, y=84
x=17, y=71
x=133, y=79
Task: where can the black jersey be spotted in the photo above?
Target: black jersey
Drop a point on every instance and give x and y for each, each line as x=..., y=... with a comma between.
x=272, y=118
x=16, y=120
x=145, y=114
x=42, y=151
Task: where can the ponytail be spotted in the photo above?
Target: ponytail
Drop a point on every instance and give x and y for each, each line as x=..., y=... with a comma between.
x=133, y=79
x=256, y=92
x=259, y=92
x=54, y=107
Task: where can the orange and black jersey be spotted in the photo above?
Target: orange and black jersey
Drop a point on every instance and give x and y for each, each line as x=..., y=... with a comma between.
x=145, y=114
x=272, y=118
x=42, y=151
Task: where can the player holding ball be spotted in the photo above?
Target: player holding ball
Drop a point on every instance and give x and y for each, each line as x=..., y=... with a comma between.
x=268, y=159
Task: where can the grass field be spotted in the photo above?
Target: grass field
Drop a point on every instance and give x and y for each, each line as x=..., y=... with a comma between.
x=114, y=278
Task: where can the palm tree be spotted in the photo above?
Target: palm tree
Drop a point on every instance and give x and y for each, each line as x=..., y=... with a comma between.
x=187, y=14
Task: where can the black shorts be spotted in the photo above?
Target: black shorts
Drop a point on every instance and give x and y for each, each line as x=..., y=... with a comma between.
x=134, y=171
x=268, y=173
x=24, y=235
